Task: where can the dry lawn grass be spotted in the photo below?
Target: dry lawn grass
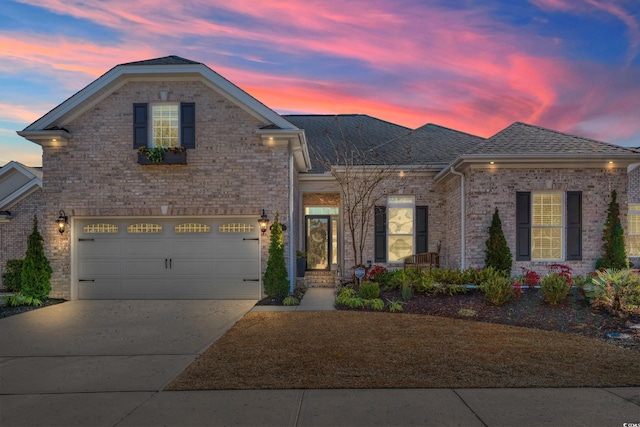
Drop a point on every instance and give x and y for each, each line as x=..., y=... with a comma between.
x=344, y=349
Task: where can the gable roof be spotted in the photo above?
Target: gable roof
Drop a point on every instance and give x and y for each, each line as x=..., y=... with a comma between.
x=17, y=181
x=51, y=125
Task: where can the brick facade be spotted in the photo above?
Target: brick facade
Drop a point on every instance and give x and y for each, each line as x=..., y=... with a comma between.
x=14, y=234
x=229, y=173
x=488, y=188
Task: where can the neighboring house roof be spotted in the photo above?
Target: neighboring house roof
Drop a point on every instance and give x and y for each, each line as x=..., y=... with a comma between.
x=17, y=181
x=328, y=133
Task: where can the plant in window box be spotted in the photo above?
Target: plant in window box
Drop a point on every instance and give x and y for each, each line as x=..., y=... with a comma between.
x=162, y=155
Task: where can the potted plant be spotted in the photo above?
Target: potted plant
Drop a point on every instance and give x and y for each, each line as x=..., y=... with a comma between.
x=162, y=155
x=301, y=263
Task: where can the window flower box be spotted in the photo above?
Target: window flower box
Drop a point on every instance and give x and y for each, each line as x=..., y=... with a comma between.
x=162, y=156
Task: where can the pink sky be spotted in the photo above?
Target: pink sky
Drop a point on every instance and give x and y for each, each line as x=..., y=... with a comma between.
x=410, y=62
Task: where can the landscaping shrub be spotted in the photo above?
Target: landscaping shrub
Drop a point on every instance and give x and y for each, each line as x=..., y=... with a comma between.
x=369, y=290
x=12, y=277
x=407, y=292
x=614, y=254
x=497, y=289
x=378, y=274
x=529, y=278
x=276, y=278
x=616, y=291
x=36, y=270
x=498, y=254
x=554, y=288
x=376, y=304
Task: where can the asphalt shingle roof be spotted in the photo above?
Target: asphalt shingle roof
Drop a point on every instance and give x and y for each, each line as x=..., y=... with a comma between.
x=367, y=134
x=165, y=60
x=524, y=139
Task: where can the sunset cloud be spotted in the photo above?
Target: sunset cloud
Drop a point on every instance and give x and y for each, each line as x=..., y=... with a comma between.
x=475, y=69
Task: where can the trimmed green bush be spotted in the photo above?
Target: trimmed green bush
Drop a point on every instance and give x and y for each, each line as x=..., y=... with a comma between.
x=369, y=290
x=497, y=289
x=36, y=270
x=554, y=288
x=614, y=254
x=498, y=254
x=276, y=278
x=12, y=277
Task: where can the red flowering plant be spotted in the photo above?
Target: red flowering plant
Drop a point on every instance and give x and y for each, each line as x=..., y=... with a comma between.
x=562, y=270
x=517, y=288
x=376, y=272
x=529, y=278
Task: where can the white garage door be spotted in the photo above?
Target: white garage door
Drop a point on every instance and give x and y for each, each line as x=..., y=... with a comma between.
x=167, y=258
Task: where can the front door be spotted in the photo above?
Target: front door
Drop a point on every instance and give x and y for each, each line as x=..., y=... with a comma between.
x=318, y=242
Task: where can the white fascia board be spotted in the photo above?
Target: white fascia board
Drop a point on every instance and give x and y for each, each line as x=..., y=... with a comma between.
x=20, y=193
x=591, y=160
x=119, y=75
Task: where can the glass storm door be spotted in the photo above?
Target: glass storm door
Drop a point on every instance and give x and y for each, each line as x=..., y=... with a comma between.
x=318, y=239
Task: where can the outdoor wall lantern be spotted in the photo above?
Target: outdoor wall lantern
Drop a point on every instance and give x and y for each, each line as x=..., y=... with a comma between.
x=62, y=221
x=263, y=221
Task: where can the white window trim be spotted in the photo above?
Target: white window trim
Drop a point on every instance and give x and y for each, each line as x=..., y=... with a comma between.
x=388, y=233
x=562, y=226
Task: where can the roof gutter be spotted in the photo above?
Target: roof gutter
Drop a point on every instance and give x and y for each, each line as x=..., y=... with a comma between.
x=463, y=260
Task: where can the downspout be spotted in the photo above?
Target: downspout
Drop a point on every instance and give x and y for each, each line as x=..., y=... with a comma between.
x=291, y=228
x=463, y=215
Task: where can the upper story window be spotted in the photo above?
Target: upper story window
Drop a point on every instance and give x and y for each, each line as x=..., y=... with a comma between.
x=164, y=125
x=634, y=229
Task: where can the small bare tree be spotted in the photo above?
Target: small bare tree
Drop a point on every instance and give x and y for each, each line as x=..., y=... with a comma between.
x=359, y=175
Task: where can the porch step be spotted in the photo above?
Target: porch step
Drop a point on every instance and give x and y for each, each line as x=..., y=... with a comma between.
x=320, y=279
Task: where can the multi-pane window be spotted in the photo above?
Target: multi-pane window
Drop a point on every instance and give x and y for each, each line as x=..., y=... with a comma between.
x=634, y=229
x=400, y=227
x=165, y=125
x=546, y=226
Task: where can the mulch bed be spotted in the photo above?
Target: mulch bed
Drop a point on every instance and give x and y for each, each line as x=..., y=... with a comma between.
x=574, y=315
x=6, y=311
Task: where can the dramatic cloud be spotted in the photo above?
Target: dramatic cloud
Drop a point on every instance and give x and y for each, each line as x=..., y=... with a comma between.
x=476, y=69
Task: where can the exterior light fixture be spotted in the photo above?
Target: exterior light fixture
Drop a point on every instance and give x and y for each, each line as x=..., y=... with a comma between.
x=263, y=221
x=492, y=163
x=62, y=221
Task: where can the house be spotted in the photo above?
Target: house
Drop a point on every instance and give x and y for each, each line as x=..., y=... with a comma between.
x=20, y=199
x=187, y=227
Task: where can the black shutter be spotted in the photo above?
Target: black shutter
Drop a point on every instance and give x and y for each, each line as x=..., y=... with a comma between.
x=188, y=124
x=380, y=234
x=140, y=127
x=574, y=225
x=523, y=226
x=422, y=229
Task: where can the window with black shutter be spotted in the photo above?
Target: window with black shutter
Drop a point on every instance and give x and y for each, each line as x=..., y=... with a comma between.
x=164, y=125
x=422, y=229
x=523, y=226
x=380, y=243
x=574, y=225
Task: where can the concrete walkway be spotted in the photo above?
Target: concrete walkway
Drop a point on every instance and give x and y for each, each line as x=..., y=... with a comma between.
x=58, y=367
x=315, y=299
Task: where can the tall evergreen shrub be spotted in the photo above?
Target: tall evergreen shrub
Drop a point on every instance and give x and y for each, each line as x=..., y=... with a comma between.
x=276, y=278
x=36, y=270
x=12, y=277
x=498, y=254
x=614, y=254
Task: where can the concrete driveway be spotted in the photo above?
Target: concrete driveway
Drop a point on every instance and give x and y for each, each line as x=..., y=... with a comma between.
x=74, y=356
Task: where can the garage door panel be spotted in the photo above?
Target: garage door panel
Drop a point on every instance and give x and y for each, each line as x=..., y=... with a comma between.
x=209, y=264
x=99, y=267
x=144, y=247
x=100, y=248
